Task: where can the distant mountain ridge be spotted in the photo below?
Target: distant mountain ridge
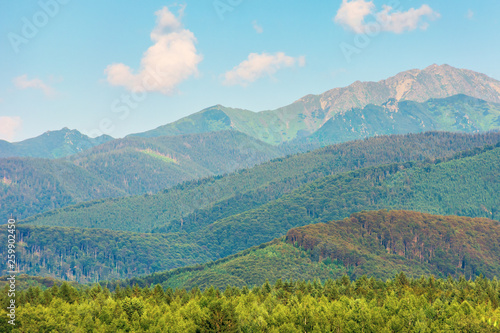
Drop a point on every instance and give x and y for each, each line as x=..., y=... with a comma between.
x=413, y=85
x=308, y=114
x=313, y=113
x=52, y=144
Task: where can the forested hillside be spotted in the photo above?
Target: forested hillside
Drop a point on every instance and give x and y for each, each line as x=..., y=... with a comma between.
x=142, y=165
x=463, y=186
x=32, y=185
x=400, y=304
x=375, y=243
x=202, y=202
x=466, y=184
x=90, y=255
x=124, y=167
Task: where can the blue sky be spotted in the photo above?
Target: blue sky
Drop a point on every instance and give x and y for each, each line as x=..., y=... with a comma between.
x=121, y=67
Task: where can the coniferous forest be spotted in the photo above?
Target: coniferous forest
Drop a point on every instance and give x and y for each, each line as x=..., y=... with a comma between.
x=367, y=304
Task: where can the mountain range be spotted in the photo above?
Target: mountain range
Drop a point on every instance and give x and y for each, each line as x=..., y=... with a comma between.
x=311, y=186
x=220, y=140
x=308, y=114
x=419, y=98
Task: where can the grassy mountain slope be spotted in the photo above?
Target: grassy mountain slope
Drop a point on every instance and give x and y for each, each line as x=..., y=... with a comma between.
x=52, y=144
x=266, y=126
x=195, y=204
x=376, y=243
x=309, y=113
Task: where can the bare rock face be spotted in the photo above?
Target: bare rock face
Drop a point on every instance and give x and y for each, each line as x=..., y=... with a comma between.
x=413, y=85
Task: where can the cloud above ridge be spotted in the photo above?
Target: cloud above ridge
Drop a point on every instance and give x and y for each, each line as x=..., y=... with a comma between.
x=22, y=82
x=259, y=65
x=9, y=127
x=352, y=15
x=172, y=58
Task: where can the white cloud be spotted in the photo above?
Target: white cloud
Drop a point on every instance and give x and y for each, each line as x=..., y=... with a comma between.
x=8, y=127
x=399, y=22
x=470, y=14
x=352, y=14
x=172, y=59
x=22, y=82
x=257, y=27
x=258, y=65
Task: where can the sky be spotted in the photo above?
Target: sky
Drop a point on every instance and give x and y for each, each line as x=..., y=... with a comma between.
x=121, y=67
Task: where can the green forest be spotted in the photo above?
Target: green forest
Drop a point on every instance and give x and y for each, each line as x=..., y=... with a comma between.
x=124, y=167
x=465, y=184
x=206, y=200
x=90, y=255
x=374, y=243
x=434, y=188
x=398, y=304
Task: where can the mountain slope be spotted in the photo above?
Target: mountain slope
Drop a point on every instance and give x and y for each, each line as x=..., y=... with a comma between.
x=413, y=85
x=90, y=255
x=309, y=113
x=193, y=205
x=465, y=186
x=32, y=185
x=147, y=165
x=456, y=113
x=124, y=167
x=267, y=127
x=52, y=144
x=376, y=243
x=449, y=245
